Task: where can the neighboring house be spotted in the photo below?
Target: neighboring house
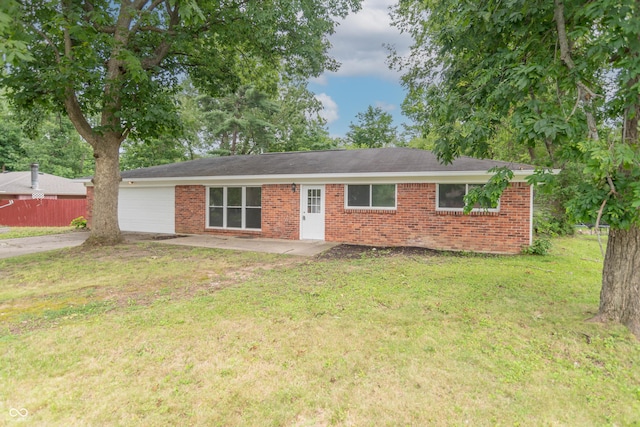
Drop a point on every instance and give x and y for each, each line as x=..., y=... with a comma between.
x=33, y=198
x=381, y=197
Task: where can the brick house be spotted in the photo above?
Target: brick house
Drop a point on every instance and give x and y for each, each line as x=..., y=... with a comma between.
x=381, y=197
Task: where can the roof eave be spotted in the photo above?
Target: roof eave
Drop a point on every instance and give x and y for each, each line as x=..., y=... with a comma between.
x=373, y=177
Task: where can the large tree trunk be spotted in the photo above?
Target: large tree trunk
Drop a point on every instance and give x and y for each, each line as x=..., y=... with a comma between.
x=620, y=294
x=104, y=222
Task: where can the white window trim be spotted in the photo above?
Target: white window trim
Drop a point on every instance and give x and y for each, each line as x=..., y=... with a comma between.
x=225, y=206
x=369, y=208
x=466, y=191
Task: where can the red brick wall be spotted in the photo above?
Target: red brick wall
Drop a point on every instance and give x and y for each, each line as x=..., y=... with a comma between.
x=190, y=212
x=415, y=222
x=280, y=212
x=280, y=219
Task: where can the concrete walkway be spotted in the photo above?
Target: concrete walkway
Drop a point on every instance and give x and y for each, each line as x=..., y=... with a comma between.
x=28, y=245
x=274, y=246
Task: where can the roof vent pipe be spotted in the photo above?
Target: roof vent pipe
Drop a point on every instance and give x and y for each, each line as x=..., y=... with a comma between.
x=34, y=176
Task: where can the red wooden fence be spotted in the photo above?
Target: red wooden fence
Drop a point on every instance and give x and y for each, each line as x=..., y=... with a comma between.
x=41, y=213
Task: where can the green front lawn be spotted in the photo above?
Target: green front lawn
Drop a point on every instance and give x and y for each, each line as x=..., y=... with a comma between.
x=151, y=334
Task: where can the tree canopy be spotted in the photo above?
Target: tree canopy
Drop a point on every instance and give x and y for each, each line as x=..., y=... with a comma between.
x=373, y=129
x=113, y=66
x=562, y=76
x=48, y=139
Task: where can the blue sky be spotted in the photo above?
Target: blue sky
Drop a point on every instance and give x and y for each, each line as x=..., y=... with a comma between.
x=364, y=77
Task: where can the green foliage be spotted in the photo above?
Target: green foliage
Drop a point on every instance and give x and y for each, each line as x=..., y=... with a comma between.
x=611, y=174
x=241, y=120
x=114, y=66
x=373, y=130
x=56, y=146
x=298, y=124
x=487, y=196
x=13, y=46
x=553, y=197
x=489, y=79
x=151, y=152
x=48, y=139
x=12, y=139
x=540, y=246
x=545, y=223
x=79, y=223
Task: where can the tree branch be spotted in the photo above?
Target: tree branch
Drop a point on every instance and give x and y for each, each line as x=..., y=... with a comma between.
x=49, y=42
x=163, y=48
x=151, y=29
x=585, y=94
x=74, y=111
x=139, y=4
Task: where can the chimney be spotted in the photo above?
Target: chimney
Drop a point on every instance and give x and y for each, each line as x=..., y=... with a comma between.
x=34, y=176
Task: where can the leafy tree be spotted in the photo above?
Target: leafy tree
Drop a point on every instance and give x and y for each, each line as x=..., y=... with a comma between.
x=241, y=121
x=186, y=143
x=11, y=138
x=298, y=124
x=564, y=76
x=151, y=152
x=113, y=66
x=12, y=46
x=251, y=121
x=373, y=130
x=47, y=139
x=58, y=149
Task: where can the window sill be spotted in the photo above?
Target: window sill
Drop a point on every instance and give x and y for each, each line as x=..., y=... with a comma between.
x=249, y=230
x=391, y=211
x=461, y=213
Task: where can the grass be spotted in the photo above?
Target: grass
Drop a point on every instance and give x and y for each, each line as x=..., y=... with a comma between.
x=152, y=334
x=17, y=232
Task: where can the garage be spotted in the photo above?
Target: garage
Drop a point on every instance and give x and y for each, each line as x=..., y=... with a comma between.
x=147, y=209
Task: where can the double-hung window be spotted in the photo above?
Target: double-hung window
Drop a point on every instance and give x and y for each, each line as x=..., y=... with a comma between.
x=451, y=197
x=235, y=207
x=371, y=196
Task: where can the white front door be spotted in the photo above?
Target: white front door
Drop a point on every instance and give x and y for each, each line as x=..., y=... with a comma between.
x=312, y=212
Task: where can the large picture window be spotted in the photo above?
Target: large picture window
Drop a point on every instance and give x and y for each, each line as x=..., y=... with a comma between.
x=451, y=197
x=235, y=207
x=381, y=196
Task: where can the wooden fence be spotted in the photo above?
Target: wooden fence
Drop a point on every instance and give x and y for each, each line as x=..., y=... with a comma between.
x=41, y=213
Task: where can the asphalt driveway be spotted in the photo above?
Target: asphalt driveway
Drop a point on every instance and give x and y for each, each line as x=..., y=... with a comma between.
x=27, y=245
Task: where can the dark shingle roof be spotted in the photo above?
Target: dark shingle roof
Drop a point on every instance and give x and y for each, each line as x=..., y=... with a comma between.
x=376, y=160
x=20, y=183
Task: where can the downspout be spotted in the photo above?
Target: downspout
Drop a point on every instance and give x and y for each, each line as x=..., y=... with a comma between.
x=530, y=215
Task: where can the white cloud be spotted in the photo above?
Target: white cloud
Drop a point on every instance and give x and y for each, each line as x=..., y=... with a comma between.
x=385, y=106
x=359, y=41
x=330, y=108
x=320, y=80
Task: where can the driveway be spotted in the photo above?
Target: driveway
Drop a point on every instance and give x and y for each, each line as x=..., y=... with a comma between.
x=28, y=245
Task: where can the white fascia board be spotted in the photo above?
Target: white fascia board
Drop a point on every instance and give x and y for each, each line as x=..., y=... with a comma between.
x=470, y=177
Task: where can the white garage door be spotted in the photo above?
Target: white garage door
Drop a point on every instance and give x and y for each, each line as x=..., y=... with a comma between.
x=147, y=209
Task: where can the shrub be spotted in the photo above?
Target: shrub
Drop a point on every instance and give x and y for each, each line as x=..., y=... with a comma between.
x=79, y=223
x=540, y=246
